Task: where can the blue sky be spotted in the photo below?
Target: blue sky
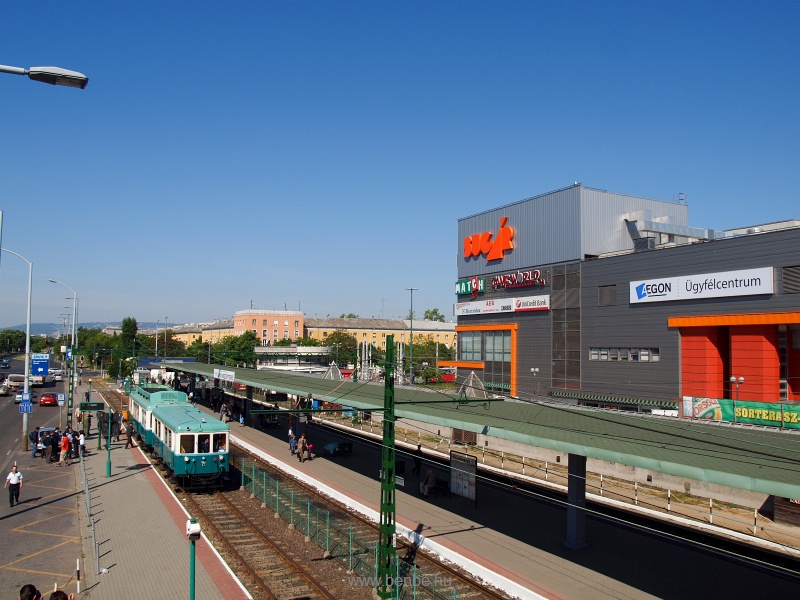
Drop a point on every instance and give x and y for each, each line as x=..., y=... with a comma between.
x=319, y=154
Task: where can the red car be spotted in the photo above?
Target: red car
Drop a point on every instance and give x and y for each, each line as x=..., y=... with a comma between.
x=48, y=399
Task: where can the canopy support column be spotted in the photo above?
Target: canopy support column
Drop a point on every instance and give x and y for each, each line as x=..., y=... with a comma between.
x=576, y=499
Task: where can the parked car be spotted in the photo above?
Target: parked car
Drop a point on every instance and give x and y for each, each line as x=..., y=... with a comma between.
x=39, y=445
x=5, y=363
x=48, y=399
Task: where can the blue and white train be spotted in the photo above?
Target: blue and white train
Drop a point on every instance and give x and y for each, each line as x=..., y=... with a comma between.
x=191, y=445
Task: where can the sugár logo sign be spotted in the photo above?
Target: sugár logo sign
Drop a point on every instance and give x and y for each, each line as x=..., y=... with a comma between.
x=494, y=249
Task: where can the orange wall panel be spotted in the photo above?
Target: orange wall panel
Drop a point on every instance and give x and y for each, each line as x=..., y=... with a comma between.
x=701, y=362
x=754, y=356
x=793, y=361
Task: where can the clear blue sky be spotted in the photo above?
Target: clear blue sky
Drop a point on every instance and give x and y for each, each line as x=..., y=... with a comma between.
x=318, y=154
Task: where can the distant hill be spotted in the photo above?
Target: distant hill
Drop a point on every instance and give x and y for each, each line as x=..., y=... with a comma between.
x=56, y=328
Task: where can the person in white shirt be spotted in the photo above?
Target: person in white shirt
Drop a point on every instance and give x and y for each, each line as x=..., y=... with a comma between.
x=14, y=485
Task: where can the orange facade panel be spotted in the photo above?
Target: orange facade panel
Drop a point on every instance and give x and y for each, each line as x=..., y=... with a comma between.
x=781, y=318
x=754, y=356
x=701, y=363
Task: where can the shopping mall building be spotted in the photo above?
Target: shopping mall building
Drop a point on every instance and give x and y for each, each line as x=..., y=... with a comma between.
x=604, y=298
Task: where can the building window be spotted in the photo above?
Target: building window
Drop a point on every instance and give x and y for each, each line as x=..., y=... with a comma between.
x=297, y=323
x=274, y=334
x=254, y=322
x=265, y=334
x=296, y=334
x=286, y=323
x=264, y=324
x=275, y=323
x=286, y=334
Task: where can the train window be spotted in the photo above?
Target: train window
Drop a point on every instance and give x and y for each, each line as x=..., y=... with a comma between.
x=220, y=442
x=169, y=438
x=187, y=444
x=203, y=443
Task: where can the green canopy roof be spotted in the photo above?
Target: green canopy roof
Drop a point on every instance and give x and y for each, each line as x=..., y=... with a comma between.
x=746, y=458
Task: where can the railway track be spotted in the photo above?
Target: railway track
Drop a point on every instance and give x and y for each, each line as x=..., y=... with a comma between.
x=268, y=564
x=439, y=580
x=279, y=561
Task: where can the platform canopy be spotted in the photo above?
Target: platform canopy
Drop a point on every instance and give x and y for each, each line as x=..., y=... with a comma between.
x=751, y=459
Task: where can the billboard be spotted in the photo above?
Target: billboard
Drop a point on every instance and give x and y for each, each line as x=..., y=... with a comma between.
x=746, y=282
x=771, y=414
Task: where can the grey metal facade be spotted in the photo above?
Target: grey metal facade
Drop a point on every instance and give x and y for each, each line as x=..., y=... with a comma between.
x=573, y=226
x=626, y=325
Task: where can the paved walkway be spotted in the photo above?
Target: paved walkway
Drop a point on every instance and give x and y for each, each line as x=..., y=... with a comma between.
x=140, y=529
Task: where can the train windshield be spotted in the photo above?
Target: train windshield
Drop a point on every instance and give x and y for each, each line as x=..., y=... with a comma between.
x=203, y=443
x=220, y=442
x=187, y=444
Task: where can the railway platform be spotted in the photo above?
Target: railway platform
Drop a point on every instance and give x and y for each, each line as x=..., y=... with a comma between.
x=140, y=530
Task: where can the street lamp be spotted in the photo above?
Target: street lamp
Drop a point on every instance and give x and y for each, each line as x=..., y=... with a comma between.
x=26, y=389
x=411, y=341
x=51, y=75
x=535, y=371
x=737, y=383
x=165, y=338
x=74, y=347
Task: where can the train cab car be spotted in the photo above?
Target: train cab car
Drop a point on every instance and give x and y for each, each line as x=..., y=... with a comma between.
x=191, y=445
x=143, y=399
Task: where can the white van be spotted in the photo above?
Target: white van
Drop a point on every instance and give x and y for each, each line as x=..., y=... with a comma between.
x=15, y=380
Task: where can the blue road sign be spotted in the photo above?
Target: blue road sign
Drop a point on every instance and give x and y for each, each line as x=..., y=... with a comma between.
x=69, y=353
x=62, y=397
x=40, y=363
x=26, y=407
x=26, y=398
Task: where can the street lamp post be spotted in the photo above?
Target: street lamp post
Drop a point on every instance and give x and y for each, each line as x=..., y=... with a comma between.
x=26, y=389
x=51, y=75
x=737, y=383
x=165, y=338
x=535, y=371
x=74, y=347
x=411, y=341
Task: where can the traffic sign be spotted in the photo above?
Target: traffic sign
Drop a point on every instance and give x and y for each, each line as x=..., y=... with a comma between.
x=26, y=397
x=40, y=364
x=61, y=396
x=90, y=406
x=26, y=407
x=69, y=353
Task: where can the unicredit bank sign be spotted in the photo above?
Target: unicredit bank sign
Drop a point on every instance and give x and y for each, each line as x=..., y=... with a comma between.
x=506, y=305
x=747, y=282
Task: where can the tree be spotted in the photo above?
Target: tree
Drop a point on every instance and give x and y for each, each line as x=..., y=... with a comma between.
x=433, y=314
x=343, y=346
x=348, y=316
x=129, y=330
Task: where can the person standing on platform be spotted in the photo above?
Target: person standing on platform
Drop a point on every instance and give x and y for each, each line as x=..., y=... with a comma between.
x=14, y=485
x=33, y=436
x=430, y=481
x=129, y=435
x=417, y=460
x=301, y=447
x=47, y=448
x=82, y=443
x=292, y=441
x=64, y=445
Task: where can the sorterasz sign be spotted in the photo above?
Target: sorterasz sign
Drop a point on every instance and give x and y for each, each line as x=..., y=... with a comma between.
x=747, y=282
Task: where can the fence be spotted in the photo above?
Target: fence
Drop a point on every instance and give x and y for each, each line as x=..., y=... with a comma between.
x=336, y=536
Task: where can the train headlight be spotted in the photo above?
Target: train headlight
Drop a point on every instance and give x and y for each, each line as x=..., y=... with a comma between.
x=221, y=458
x=186, y=459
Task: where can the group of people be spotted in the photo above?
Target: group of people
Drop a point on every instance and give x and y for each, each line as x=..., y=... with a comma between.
x=29, y=592
x=301, y=446
x=67, y=446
